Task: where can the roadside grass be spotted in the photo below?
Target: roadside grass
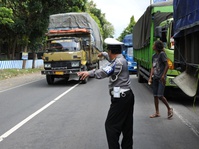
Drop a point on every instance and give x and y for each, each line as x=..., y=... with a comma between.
x=9, y=73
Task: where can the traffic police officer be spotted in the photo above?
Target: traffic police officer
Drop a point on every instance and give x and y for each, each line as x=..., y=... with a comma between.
x=120, y=115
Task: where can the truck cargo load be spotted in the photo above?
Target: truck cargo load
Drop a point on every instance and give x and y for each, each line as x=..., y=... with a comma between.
x=74, y=20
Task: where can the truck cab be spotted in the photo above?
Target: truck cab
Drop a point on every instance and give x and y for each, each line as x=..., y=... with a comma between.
x=165, y=33
x=66, y=54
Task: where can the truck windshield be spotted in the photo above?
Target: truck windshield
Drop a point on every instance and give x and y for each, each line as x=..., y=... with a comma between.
x=130, y=51
x=64, y=45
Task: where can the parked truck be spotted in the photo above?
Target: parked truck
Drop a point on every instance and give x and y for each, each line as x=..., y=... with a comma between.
x=73, y=43
x=128, y=53
x=186, y=37
x=154, y=24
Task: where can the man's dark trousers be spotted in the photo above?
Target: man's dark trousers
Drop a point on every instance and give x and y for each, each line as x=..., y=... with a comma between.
x=120, y=120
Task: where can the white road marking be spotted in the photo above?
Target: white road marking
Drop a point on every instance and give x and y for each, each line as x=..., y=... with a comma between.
x=13, y=129
x=187, y=123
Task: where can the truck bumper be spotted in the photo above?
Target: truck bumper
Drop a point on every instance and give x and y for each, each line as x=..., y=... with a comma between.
x=60, y=72
x=132, y=67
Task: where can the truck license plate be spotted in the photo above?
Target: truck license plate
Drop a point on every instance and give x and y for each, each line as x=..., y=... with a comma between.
x=59, y=73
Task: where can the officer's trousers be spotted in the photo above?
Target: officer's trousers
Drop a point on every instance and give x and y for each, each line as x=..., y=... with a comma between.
x=120, y=120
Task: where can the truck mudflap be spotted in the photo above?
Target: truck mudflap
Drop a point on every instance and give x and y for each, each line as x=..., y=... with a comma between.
x=60, y=72
x=187, y=83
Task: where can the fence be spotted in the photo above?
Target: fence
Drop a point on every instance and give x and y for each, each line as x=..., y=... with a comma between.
x=18, y=64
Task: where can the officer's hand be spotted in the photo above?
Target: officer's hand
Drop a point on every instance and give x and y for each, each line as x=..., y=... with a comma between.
x=83, y=75
x=100, y=55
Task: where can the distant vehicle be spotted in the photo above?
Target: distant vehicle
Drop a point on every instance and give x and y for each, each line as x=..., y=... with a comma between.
x=128, y=53
x=73, y=44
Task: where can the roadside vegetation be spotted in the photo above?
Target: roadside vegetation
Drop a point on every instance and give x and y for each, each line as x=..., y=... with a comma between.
x=23, y=23
x=9, y=73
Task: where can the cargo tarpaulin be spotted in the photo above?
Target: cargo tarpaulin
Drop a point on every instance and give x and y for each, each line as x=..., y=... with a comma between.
x=142, y=29
x=75, y=20
x=186, y=17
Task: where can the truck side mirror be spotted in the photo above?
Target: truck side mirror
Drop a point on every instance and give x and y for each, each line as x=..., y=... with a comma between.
x=158, y=32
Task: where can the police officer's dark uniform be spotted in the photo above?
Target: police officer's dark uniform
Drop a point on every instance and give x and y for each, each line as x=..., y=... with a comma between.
x=120, y=115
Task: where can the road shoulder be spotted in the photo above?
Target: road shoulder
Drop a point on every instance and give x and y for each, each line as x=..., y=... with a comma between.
x=20, y=80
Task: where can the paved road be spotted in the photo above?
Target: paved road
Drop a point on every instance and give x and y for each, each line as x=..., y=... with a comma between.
x=71, y=116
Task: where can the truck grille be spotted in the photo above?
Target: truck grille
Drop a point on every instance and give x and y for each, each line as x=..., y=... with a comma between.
x=60, y=65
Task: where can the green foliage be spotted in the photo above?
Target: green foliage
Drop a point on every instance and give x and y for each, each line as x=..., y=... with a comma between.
x=31, y=19
x=128, y=29
x=24, y=22
x=6, y=16
x=106, y=28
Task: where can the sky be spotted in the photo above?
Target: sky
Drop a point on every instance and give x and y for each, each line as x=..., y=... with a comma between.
x=119, y=12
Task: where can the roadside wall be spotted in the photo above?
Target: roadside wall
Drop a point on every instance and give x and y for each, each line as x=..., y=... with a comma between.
x=18, y=64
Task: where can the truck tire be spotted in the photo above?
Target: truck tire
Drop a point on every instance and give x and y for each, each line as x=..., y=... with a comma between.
x=86, y=80
x=98, y=65
x=50, y=79
x=140, y=77
x=66, y=78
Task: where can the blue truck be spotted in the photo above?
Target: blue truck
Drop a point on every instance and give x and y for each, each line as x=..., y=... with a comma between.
x=186, y=53
x=128, y=53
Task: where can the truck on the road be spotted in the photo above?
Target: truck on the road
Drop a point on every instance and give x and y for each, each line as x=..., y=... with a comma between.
x=154, y=24
x=186, y=37
x=73, y=43
x=128, y=53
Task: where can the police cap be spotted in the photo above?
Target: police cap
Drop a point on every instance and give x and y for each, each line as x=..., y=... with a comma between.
x=114, y=45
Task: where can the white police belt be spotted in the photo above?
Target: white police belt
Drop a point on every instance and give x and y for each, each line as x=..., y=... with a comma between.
x=117, y=91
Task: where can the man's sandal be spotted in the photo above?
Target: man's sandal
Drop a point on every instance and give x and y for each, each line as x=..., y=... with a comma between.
x=155, y=115
x=170, y=113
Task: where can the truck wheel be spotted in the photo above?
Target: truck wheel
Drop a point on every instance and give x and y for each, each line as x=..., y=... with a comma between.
x=98, y=65
x=140, y=77
x=66, y=78
x=86, y=80
x=50, y=79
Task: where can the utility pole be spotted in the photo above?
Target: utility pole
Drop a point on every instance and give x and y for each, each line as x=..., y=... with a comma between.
x=150, y=2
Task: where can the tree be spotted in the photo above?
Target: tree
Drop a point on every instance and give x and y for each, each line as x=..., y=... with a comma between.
x=107, y=29
x=26, y=31
x=128, y=29
x=6, y=16
x=31, y=19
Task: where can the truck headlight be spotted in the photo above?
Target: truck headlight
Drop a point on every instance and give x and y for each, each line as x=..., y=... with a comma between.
x=47, y=65
x=74, y=64
x=129, y=63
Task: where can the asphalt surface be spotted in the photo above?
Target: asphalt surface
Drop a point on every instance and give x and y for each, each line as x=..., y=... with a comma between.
x=75, y=119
